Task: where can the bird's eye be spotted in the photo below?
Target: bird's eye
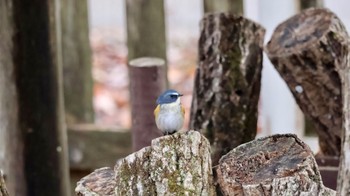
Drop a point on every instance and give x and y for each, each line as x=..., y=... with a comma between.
x=173, y=96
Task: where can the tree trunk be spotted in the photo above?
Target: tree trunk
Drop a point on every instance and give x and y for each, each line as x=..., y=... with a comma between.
x=11, y=142
x=38, y=63
x=305, y=50
x=145, y=28
x=173, y=165
x=3, y=189
x=275, y=165
x=227, y=83
x=232, y=6
x=147, y=82
x=76, y=62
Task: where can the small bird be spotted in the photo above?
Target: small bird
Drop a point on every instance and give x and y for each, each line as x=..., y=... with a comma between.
x=169, y=114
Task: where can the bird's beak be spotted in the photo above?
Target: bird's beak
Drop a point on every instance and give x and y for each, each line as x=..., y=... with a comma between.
x=180, y=95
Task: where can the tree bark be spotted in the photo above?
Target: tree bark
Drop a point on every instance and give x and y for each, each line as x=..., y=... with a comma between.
x=173, y=165
x=147, y=82
x=232, y=6
x=305, y=50
x=76, y=52
x=274, y=165
x=227, y=82
x=343, y=68
x=11, y=142
x=145, y=22
x=38, y=63
x=3, y=189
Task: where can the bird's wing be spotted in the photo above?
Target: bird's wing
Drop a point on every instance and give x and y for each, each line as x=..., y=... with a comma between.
x=156, y=111
x=182, y=111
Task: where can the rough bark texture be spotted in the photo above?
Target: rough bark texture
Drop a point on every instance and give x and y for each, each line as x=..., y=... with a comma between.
x=145, y=28
x=147, y=82
x=11, y=143
x=227, y=83
x=232, y=6
x=40, y=94
x=3, y=189
x=173, y=165
x=275, y=165
x=343, y=67
x=76, y=55
x=305, y=50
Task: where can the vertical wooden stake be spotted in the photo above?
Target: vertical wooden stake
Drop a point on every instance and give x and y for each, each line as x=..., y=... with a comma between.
x=147, y=82
x=227, y=83
x=38, y=61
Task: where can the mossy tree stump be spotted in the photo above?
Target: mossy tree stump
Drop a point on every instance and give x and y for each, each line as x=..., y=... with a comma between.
x=306, y=50
x=275, y=165
x=178, y=164
x=227, y=83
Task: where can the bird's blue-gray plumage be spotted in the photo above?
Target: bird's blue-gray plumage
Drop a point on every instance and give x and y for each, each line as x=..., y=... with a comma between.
x=168, y=96
x=169, y=114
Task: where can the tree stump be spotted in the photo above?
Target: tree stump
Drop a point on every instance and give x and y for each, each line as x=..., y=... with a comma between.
x=178, y=164
x=147, y=82
x=3, y=189
x=227, y=83
x=306, y=50
x=275, y=165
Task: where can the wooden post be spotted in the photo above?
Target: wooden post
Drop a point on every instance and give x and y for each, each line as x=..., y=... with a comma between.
x=37, y=47
x=227, y=82
x=76, y=55
x=305, y=50
x=147, y=82
x=274, y=165
x=11, y=142
x=145, y=22
x=310, y=3
x=232, y=6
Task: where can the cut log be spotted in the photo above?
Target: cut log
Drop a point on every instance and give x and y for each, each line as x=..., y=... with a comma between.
x=275, y=165
x=147, y=82
x=227, y=83
x=178, y=164
x=305, y=50
x=3, y=189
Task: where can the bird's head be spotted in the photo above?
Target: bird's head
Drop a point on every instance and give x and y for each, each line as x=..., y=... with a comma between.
x=169, y=96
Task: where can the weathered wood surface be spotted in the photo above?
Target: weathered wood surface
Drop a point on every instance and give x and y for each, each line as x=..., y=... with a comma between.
x=306, y=50
x=275, y=165
x=38, y=61
x=11, y=142
x=178, y=164
x=94, y=146
x=76, y=58
x=342, y=50
x=3, y=189
x=147, y=81
x=232, y=6
x=227, y=82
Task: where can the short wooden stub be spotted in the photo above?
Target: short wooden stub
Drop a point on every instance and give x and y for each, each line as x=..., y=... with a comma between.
x=227, y=83
x=306, y=50
x=275, y=165
x=147, y=82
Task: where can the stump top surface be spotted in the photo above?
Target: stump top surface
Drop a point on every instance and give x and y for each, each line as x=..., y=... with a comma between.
x=300, y=32
x=266, y=158
x=147, y=62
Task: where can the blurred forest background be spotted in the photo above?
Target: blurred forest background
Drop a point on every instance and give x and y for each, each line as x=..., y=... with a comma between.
x=98, y=127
